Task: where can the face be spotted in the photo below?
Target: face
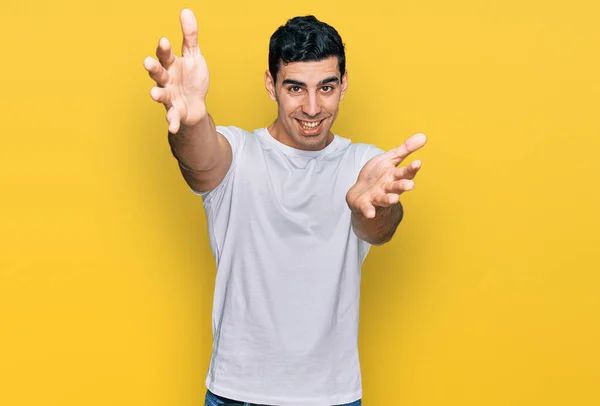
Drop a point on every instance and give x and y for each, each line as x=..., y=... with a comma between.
x=308, y=96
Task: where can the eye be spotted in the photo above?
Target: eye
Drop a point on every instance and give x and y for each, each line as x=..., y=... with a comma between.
x=295, y=89
x=327, y=89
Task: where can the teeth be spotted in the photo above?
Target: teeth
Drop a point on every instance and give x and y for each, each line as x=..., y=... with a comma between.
x=309, y=125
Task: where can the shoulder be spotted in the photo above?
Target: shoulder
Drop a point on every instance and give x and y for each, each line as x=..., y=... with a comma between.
x=237, y=136
x=231, y=132
x=361, y=152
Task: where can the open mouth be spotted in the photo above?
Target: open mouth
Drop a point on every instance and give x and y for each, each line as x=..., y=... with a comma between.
x=310, y=127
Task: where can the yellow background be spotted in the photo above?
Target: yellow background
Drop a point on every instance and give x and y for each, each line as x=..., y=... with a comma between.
x=486, y=296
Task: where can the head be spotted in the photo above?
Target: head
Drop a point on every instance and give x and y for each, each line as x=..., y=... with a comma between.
x=307, y=78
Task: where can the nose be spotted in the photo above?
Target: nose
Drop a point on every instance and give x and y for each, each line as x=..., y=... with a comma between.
x=312, y=105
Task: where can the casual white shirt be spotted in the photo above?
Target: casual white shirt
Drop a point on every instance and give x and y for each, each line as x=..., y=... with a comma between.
x=286, y=300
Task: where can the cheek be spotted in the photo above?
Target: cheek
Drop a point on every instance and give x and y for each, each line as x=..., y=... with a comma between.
x=287, y=103
x=332, y=104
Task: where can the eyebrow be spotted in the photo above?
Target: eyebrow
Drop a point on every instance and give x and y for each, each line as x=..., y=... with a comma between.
x=321, y=83
x=329, y=80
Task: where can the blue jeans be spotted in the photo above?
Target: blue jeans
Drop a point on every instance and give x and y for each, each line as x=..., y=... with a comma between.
x=216, y=400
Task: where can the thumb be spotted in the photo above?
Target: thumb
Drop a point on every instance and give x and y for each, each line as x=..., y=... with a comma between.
x=189, y=28
x=409, y=146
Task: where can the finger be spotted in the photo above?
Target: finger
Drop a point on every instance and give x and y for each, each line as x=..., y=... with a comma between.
x=391, y=199
x=408, y=147
x=189, y=27
x=160, y=95
x=368, y=211
x=407, y=172
x=365, y=206
x=156, y=71
x=174, y=120
x=385, y=199
x=164, y=53
x=399, y=186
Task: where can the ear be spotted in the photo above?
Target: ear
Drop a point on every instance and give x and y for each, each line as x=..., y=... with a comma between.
x=344, y=85
x=270, y=86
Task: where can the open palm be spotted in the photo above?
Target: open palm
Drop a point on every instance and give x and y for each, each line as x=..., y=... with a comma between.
x=181, y=82
x=380, y=182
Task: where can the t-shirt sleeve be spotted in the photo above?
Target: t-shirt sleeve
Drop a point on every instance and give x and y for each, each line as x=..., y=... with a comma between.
x=370, y=151
x=236, y=138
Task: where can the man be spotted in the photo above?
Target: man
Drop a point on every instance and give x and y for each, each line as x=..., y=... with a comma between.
x=292, y=211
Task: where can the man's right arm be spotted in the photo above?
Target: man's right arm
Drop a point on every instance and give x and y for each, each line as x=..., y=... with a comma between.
x=203, y=154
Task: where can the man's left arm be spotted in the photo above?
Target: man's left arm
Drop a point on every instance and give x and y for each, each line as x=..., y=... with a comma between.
x=374, y=198
x=381, y=228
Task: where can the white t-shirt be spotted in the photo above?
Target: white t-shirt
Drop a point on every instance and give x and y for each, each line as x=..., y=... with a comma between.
x=286, y=301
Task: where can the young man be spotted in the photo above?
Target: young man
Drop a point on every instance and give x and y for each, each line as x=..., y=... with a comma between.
x=292, y=211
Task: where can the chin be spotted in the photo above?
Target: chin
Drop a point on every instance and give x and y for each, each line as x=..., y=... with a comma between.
x=313, y=142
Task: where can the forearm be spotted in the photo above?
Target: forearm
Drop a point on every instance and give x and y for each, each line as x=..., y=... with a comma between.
x=196, y=147
x=379, y=229
x=203, y=154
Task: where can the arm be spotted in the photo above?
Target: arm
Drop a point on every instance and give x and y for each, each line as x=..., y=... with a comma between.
x=203, y=154
x=374, y=198
x=381, y=228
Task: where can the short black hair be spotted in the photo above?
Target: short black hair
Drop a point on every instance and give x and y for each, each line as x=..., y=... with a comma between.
x=305, y=39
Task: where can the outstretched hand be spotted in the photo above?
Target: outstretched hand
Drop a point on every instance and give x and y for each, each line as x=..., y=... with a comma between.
x=381, y=182
x=181, y=82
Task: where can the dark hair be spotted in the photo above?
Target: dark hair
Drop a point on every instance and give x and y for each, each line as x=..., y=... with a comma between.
x=305, y=39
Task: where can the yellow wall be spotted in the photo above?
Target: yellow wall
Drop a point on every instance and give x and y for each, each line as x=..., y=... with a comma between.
x=488, y=293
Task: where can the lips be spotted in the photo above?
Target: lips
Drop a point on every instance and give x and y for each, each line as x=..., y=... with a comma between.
x=310, y=127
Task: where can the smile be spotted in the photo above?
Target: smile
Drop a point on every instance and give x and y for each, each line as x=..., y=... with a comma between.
x=309, y=125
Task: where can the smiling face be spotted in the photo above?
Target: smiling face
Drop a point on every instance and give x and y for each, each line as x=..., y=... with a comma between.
x=308, y=96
